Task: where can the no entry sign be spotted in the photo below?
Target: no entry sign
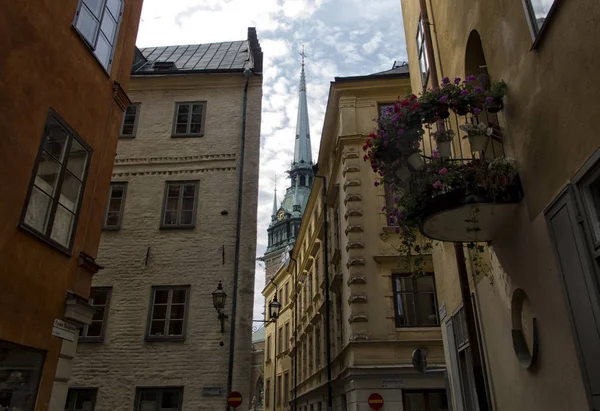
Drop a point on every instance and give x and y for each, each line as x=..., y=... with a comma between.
x=234, y=399
x=375, y=401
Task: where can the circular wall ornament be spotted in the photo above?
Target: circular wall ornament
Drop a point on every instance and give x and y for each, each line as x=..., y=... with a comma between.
x=524, y=329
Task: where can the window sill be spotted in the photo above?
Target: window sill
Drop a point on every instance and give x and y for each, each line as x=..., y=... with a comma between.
x=91, y=340
x=126, y=137
x=111, y=228
x=187, y=135
x=163, y=339
x=418, y=328
x=64, y=250
x=177, y=227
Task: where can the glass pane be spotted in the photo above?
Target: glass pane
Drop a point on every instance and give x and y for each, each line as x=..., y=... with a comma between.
x=540, y=11
x=19, y=376
x=94, y=329
x=131, y=111
x=405, y=309
x=87, y=24
x=114, y=6
x=161, y=296
x=108, y=27
x=426, y=311
x=172, y=204
x=47, y=173
x=182, y=118
x=195, y=128
x=197, y=108
x=438, y=401
x=176, y=327
x=56, y=139
x=170, y=218
x=148, y=395
x=188, y=204
x=127, y=129
x=174, y=190
x=95, y=6
x=38, y=210
x=99, y=297
x=183, y=109
x=425, y=283
x=77, y=159
x=112, y=218
x=415, y=401
x=159, y=312
x=592, y=200
x=103, y=50
x=186, y=218
x=179, y=296
x=181, y=129
x=99, y=314
x=177, y=311
x=403, y=284
x=189, y=190
x=117, y=191
x=115, y=205
x=84, y=400
x=170, y=399
x=157, y=328
x=69, y=192
x=63, y=226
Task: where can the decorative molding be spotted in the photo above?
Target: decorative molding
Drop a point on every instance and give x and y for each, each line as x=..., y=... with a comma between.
x=350, y=169
x=351, y=183
x=358, y=318
x=359, y=337
x=120, y=96
x=352, y=197
x=354, y=299
x=170, y=160
x=357, y=212
x=353, y=262
x=349, y=155
x=357, y=279
x=354, y=229
x=171, y=172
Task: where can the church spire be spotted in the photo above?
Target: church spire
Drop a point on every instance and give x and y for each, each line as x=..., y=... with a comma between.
x=274, y=214
x=302, y=149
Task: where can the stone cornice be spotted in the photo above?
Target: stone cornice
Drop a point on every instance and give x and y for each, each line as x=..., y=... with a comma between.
x=171, y=172
x=126, y=161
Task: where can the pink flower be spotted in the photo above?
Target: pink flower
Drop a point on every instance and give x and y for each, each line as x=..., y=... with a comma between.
x=437, y=184
x=443, y=170
x=376, y=183
x=435, y=154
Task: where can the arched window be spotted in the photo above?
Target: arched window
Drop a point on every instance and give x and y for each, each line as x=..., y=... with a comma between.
x=302, y=180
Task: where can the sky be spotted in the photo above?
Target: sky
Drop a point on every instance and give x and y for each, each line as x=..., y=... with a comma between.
x=340, y=37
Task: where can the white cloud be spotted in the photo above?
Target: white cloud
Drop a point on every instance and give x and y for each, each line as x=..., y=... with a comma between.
x=341, y=37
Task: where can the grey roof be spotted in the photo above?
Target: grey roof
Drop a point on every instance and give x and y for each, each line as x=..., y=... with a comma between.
x=397, y=70
x=302, y=150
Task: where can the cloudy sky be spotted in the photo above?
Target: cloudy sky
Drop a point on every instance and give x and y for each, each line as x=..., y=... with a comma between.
x=341, y=38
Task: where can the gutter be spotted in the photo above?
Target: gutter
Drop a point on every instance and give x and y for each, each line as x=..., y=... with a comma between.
x=238, y=229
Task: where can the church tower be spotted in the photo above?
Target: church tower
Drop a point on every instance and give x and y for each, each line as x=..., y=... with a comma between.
x=287, y=216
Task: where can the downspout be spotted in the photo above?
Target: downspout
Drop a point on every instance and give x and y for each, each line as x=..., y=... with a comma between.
x=327, y=304
x=238, y=229
x=295, y=332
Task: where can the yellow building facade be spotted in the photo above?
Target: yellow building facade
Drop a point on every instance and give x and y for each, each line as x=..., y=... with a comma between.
x=357, y=321
x=536, y=307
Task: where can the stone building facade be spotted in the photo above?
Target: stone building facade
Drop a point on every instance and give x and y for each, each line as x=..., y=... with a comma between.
x=181, y=220
x=63, y=87
x=539, y=293
x=352, y=336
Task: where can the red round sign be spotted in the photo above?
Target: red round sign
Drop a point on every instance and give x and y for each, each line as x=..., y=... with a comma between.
x=376, y=401
x=234, y=399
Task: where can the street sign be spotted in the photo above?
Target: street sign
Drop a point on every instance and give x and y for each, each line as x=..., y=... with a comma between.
x=234, y=399
x=64, y=330
x=212, y=391
x=375, y=401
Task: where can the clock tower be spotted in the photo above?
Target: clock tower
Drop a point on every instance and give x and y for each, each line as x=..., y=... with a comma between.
x=287, y=216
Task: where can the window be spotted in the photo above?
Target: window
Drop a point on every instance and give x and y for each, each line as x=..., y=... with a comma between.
x=538, y=12
x=116, y=203
x=20, y=372
x=81, y=399
x=57, y=185
x=430, y=400
x=390, y=204
x=189, y=119
x=97, y=21
x=269, y=348
x=159, y=399
x=286, y=388
x=280, y=342
x=318, y=347
x=414, y=301
x=422, y=53
x=100, y=300
x=281, y=297
x=180, y=203
x=383, y=108
x=310, y=288
x=268, y=393
x=130, y=121
x=287, y=336
x=168, y=313
x=278, y=390
x=286, y=294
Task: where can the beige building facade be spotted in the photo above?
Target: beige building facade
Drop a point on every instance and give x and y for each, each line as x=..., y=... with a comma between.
x=358, y=321
x=536, y=307
x=181, y=220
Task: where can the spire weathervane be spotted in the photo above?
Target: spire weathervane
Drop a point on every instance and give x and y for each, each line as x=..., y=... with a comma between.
x=303, y=56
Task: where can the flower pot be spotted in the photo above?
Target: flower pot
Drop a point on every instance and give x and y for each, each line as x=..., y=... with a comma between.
x=495, y=106
x=403, y=174
x=478, y=142
x=416, y=161
x=444, y=148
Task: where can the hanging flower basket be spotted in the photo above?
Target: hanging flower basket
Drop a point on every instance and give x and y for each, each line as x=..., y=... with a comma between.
x=416, y=161
x=478, y=135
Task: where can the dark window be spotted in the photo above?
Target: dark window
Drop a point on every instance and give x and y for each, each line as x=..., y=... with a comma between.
x=268, y=348
x=268, y=393
x=20, y=372
x=318, y=347
x=414, y=301
x=180, y=203
x=57, y=185
x=97, y=21
x=159, y=399
x=384, y=108
x=189, y=119
x=422, y=52
x=279, y=389
x=130, y=121
x=168, y=313
x=425, y=400
x=81, y=399
x=302, y=180
x=286, y=388
x=100, y=300
x=280, y=342
x=286, y=294
x=116, y=204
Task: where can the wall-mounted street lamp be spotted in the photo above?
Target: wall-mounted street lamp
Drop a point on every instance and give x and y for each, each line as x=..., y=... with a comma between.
x=219, y=298
x=274, y=307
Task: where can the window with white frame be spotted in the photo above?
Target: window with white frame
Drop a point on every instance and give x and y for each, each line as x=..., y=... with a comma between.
x=159, y=399
x=116, y=204
x=168, y=313
x=414, y=301
x=180, y=203
x=130, y=121
x=97, y=21
x=189, y=119
x=100, y=300
x=422, y=52
x=81, y=399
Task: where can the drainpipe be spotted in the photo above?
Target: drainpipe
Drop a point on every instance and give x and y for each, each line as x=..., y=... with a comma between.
x=295, y=332
x=238, y=229
x=327, y=305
